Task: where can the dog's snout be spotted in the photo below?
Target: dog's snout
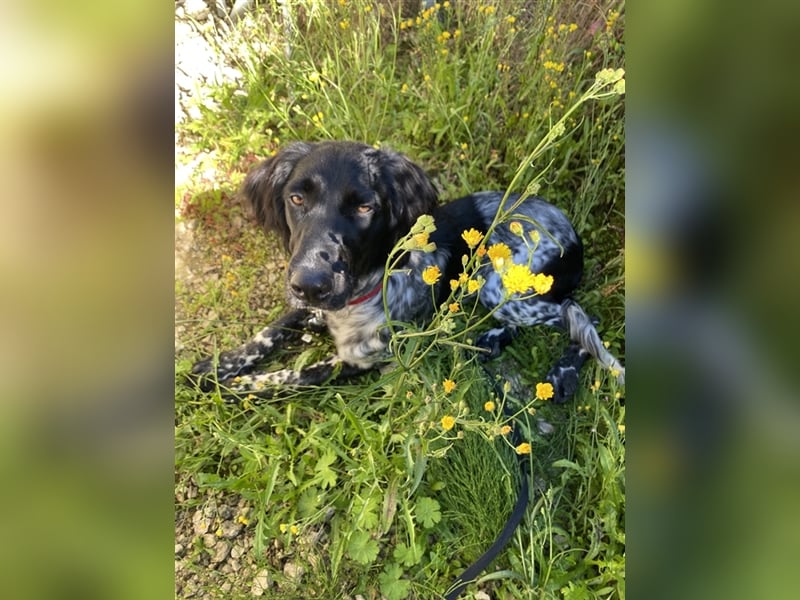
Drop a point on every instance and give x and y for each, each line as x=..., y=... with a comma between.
x=311, y=286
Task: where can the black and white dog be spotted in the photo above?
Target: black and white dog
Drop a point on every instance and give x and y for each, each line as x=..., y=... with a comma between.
x=339, y=208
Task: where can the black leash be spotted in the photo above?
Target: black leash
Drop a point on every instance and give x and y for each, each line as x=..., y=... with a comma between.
x=471, y=573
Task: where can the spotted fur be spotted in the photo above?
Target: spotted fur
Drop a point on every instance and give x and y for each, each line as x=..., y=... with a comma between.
x=339, y=208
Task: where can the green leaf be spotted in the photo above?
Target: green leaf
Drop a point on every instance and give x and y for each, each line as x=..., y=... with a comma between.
x=366, y=511
x=392, y=586
x=427, y=512
x=362, y=548
x=308, y=502
x=408, y=555
x=325, y=475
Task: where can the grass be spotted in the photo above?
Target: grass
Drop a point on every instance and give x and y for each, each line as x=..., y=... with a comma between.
x=397, y=505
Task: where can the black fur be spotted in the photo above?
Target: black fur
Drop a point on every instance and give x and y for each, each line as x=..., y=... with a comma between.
x=339, y=208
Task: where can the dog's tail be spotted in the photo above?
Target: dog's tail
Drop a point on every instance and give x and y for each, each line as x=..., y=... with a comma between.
x=583, y=332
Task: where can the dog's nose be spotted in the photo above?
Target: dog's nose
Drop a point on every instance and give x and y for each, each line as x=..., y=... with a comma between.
x=311, y=286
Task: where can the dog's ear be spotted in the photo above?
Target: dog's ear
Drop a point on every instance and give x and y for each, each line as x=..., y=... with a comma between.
x=407, y=187
x=263, y=188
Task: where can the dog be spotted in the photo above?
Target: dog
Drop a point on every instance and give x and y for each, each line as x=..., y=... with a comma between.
x=339, y=208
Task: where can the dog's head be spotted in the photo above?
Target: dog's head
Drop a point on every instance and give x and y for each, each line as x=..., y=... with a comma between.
x=339, y=208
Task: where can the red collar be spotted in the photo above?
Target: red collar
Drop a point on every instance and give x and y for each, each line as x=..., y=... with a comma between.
x=370, y=294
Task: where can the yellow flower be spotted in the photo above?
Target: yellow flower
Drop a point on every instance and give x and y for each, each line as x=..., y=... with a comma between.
x=505, y=430
x=421, y=239
x=535, y=236
x=448, y=422
x=542, y=283
x=516, y=227
x=481, y=251
x=499, y=254
x=473, y=286
x=573, y=26
x=449, y=385
x=293, y=529
x=518, y=279
x=453, y=307
x=473, y=237
x=463, y=277
x=243, y=520
x=344, y=24
x=454, y=284
x=621, y=428
x=523, y=448
x=283, y=527
x=431, y=274
x=489, y=406
x=512, y=19
x=544, y=391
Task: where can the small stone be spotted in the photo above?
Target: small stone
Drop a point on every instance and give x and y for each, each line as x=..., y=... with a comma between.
x=209, y=540
x=231, y=529
x=261, y=583
x=238, y=550
x=179, y=549
x=200, y=522
x=544, y=427
x=221, y=551
x=293, y=571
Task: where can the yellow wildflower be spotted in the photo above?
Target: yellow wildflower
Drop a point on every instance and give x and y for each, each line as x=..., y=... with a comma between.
x=518, y=279
x=473, y=237
x=449, y=385
x=489, y=406
x=453, y=284
x=505, y=430
x=535, y=236
x=523, y=448
x=344, y=24
x=499, y=254
x=294, y=529
x=448, y=422
x=473, y=286
x=516, y=227
x=573, y=27
x=431, y=274
x=511, y=19
x=542, y=283
x=544, y=391
x=421, y=239
x=243, y=520
x=481, y=251
x=283, y=527
x=453, y=307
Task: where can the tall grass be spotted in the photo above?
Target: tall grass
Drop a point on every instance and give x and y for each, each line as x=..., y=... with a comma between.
x=398, y=497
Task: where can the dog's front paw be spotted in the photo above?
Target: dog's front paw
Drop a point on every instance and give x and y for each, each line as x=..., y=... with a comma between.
x=206, y=373
x=494, y=340
x=565, y=381
x=564, y=374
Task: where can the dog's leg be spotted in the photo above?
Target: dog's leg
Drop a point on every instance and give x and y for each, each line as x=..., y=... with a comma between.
x=232, y=363
x=585, y=343
x=494, y=340
x=266, y=385
x=564, y=374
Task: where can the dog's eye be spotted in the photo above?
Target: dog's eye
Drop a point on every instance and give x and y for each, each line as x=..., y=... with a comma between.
x=296, y=199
